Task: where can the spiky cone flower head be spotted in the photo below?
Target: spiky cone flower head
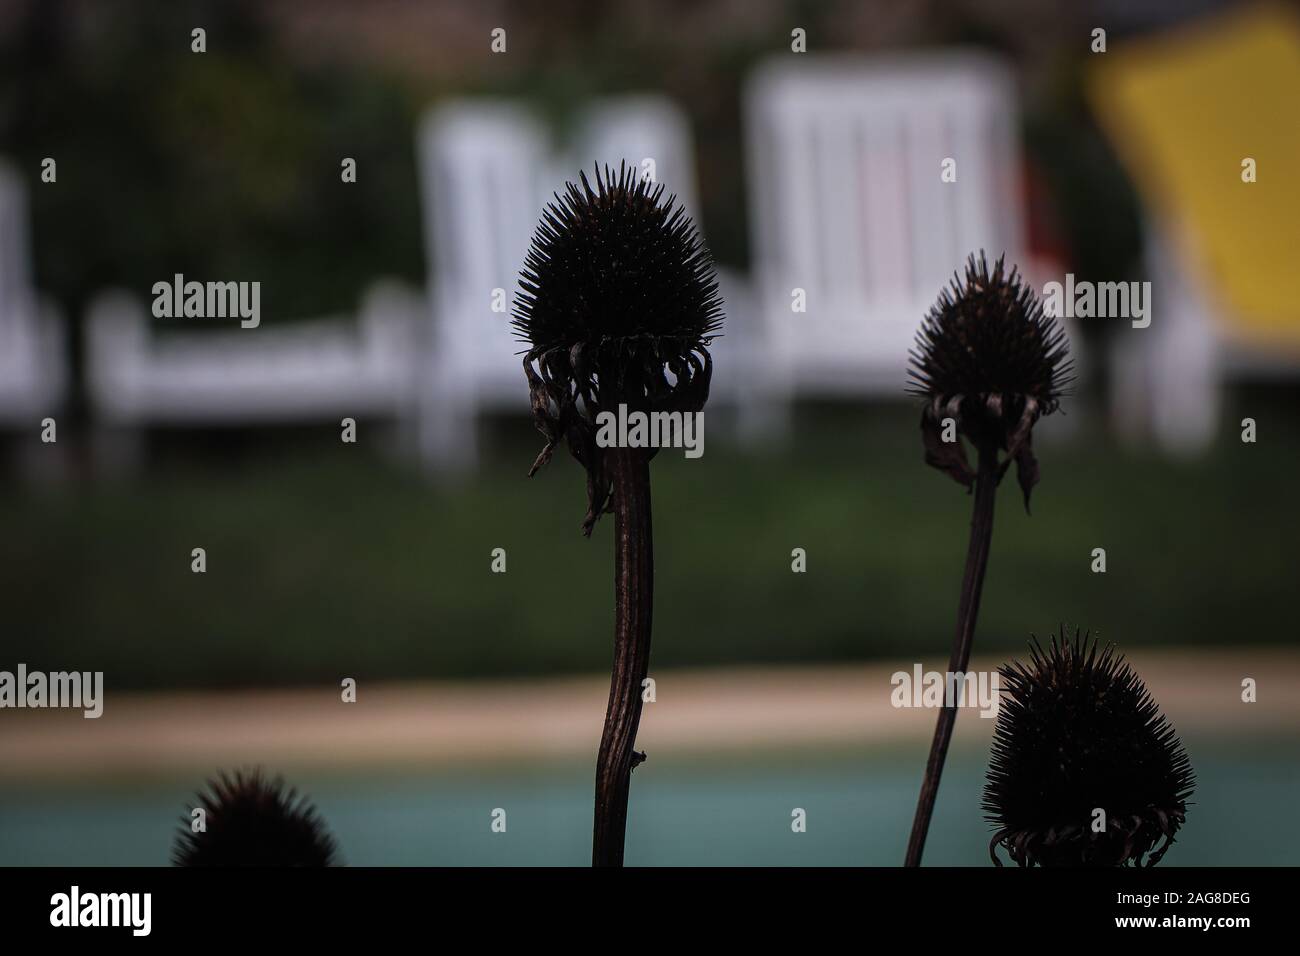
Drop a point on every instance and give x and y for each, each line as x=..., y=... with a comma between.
x=252, y=821
x=989, y=358
x=618, y=305
x=1078, y=732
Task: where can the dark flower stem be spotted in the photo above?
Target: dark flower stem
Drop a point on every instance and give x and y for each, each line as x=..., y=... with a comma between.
x=629, y=471
x=977, y=559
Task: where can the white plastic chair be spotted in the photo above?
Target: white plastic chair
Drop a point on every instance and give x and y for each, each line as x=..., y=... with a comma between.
x=301, y=372
x=1165, y=380
x=847, y=204
x=484, y=175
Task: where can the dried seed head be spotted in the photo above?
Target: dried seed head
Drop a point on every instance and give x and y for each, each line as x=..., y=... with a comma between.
x=619, y=303
x=1077, y=731
x=251, y=821
x=989, y=358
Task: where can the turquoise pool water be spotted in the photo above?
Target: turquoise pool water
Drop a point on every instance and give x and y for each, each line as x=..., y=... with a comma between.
x=693, y=813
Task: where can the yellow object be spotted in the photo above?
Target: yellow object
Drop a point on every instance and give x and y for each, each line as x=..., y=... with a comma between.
x=1185, y=111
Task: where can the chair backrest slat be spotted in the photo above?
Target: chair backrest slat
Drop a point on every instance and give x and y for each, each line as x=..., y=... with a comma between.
x=845, y=163
x=483, y=168
x=15, y=269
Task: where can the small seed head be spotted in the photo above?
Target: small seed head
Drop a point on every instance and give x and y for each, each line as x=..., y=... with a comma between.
x=619, y=303
x=1078, y=731
x=251, y=821
x=988, y=357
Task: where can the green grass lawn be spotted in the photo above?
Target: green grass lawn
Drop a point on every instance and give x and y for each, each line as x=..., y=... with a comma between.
x=326, y=560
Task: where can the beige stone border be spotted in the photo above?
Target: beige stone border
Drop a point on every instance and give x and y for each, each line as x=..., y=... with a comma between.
x=424, y=725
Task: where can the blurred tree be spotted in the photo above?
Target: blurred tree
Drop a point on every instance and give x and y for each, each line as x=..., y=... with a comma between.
x=220, y=165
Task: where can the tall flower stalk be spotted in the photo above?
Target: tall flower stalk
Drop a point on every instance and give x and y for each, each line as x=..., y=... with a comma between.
x=1085, y=770
x=989, y=364
x=618, y=305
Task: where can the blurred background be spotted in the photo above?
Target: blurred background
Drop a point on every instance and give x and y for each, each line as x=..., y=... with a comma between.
x=808, y=140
